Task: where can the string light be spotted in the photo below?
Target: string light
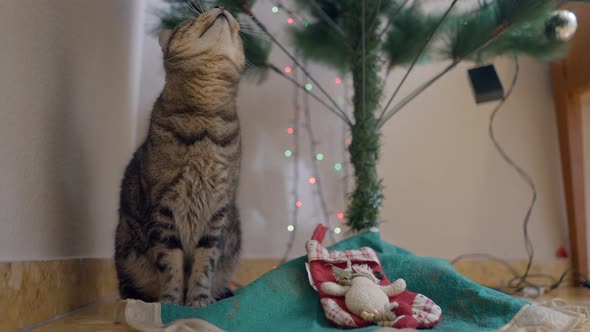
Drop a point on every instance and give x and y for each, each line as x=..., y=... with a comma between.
x=290, y=20
x=340, y=215
x=292, y=226
x=275, y=9
x=295, y=185
x=314, y=153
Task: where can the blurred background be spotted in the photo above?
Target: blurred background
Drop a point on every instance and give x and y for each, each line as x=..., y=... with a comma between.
x=78, y=80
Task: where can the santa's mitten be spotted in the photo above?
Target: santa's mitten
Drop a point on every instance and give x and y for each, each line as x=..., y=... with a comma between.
x=405, y=309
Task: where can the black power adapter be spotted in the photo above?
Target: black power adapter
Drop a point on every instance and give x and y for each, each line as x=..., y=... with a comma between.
x=486, y=84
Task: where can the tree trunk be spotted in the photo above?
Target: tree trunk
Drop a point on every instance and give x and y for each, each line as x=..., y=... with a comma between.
x=365, y=205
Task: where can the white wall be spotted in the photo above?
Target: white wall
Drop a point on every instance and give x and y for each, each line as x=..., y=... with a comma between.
x=68, y=125
x=66, y=96
x=448, y=191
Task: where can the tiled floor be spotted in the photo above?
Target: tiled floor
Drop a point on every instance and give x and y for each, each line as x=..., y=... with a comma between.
x=99, y=318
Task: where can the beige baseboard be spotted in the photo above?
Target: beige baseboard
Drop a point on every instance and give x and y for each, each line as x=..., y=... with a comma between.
x=31, y=292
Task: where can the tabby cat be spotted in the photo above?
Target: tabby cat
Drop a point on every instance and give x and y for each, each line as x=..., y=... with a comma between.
x=178, y=237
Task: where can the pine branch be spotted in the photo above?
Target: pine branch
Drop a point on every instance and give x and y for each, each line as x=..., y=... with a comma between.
x=469, y=31
x=246, y=9
x=492, y=20
x=302, y=87
x=328, y=20
x=415, y=93
x=426, y=42
x=392, y=18
x=499, y=31
x=313, y=44
x=376, y=17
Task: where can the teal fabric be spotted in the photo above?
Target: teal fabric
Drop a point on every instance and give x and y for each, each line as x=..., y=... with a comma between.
x=283, y=300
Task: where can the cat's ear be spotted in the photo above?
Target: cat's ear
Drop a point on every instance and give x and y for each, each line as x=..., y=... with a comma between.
x=165, y=38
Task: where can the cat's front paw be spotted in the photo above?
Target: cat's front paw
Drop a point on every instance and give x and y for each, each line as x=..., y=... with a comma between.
x=200, y=301
x=169, y=299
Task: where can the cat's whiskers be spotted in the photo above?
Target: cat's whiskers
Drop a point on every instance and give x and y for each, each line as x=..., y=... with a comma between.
x=255, y=35
x=190, y=4
x=248, y=64
x=191, y=11
x=186, y=16
x=246, y=22
x=247, y=29
x=201, y=5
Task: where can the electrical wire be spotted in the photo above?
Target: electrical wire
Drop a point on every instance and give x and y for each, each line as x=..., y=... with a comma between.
x=521, y=172
x=520, y=284
x=295, y=190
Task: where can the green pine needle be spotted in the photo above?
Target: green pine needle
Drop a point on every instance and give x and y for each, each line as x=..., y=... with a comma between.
x=500, y=27
x=523, y=11
x=530, y=40
x=405, y=38
x=313, y=45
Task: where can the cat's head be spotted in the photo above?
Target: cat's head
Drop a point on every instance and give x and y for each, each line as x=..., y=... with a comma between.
x=209, y=42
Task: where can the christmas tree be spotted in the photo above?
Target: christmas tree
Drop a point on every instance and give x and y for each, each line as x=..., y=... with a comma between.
x=368, y=38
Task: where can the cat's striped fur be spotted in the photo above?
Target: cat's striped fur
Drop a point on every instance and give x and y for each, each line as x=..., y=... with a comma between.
x=178, y=237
